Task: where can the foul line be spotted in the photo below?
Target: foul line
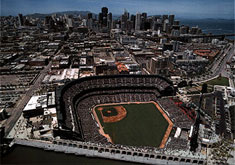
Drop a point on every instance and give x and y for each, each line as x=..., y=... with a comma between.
x=101, y=130
x=165, y=137
x=170, y=126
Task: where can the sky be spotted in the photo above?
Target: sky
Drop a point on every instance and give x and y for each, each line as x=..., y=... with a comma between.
x=181, y=8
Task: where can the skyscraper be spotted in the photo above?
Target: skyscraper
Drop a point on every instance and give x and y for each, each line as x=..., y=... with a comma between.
x=137, y=21
x=164, y=17
x=165, y=25
x=21, y=20
x=100, y=18
x=144, y=15
x=171, y=19
x=110, y=19
x=124, y=19
x=104, y=15
x=89, y=15
x=133, y=21
x=105, y=11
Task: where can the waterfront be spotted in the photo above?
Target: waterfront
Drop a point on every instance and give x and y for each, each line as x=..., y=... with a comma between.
x=214, y=26
x=29, y=155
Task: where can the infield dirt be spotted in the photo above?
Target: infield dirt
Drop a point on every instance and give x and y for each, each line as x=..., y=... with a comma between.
x=145, y=124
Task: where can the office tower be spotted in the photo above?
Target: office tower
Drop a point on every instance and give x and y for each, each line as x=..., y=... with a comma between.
x=104, y=11
x=144, y=15
x=176, y=22
x=90, y=23
x=49, y=22
x=165, y=25
x=54, y=16
x=110, y=19
x=100, y=18
x=175, y=33
x=159, y=65
x=194, y=30
x=171, y=19
x=143, y=20
x=184, y=29
x=175, y=46
x=199, y=31
x=89, y=16
x=133, y=21
x=70, y=22
x=164, y=17
x=137, y=21
x=21, y=20
x=147, y=24
x=129, y=26
x=124, y=19
x=104, y=15
x=126, y=13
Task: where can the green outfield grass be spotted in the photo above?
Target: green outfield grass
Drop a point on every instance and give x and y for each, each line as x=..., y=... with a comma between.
x=144, y=125
x=219, y=81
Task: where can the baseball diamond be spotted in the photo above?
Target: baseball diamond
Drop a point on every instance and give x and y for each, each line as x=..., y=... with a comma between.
x=141, y=124
x=112, y=114
x=122, y=109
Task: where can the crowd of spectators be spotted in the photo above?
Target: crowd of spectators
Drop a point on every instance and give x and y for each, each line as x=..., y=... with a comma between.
x=178, y=117
x=187, y=109
x=177, y=144
x=81, y=97
x=84, y=109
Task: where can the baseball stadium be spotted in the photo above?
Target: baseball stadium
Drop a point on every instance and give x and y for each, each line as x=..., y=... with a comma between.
x=126, y=110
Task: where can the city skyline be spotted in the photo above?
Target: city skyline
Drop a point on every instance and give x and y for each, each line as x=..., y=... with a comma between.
x=183, y=8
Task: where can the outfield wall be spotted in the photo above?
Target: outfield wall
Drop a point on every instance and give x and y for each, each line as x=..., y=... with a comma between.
x=69, y=95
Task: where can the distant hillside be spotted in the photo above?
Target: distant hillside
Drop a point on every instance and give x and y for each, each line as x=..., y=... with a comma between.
x=39, y=15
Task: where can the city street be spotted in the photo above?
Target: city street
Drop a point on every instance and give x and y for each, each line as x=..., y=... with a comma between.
x=219, y=67
x=26, y=97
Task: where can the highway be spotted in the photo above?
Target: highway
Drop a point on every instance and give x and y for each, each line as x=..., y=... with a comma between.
x=15, y=114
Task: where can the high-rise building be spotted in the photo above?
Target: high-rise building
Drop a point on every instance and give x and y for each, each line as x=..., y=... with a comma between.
x=133, y=21
x=89, y=16
x=175, y=33
x=105, y=11
x=124, y=19
x=164, y=17
x=184, y=29
x=194, y=30
x=110, y=19
x=49, y=22
x=176, y=22
x=144, y=15
x=70, y=22
x=147, y=24
x=100, y=18
x=159, y=65
x=104, y=15
x=165, y=25
x=171, y=19
x=126, y=13
x=21, y=20
x=143, y=20
x=175, y=46
x=137, y=21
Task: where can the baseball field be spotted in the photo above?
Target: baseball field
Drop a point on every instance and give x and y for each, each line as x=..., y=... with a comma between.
x=136, y=124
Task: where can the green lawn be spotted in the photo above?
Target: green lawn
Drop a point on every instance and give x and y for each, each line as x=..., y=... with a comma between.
x=219, y=81
x=144, y=125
